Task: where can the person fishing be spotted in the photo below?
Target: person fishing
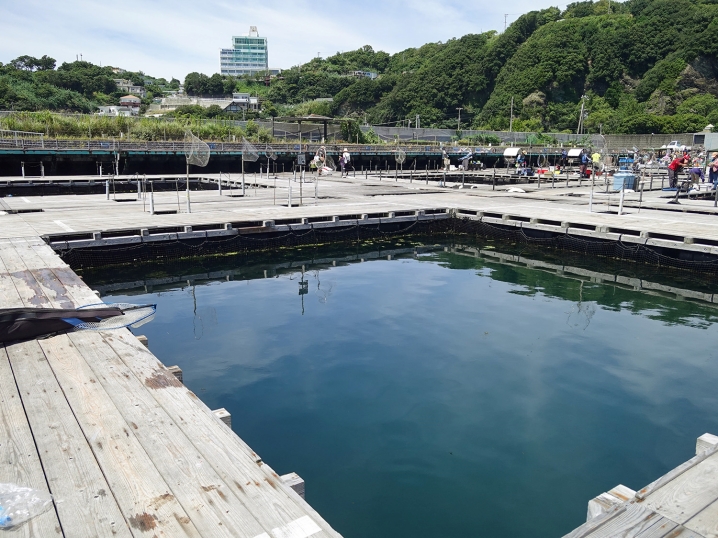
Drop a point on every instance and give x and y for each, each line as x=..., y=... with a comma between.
x=674, y=168
x=584, y=163
x=713, y=169
x=347, y=161
x=342, y=163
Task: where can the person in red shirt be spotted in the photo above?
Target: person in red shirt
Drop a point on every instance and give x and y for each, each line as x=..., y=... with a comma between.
x=674, y=168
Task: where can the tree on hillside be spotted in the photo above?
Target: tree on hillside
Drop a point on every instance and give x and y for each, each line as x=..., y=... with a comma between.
x=30, y=63
x=196, y=84
x=83, y=77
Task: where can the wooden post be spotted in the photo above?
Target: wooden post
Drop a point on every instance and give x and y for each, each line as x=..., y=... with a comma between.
x=294, y=481
x=640, y=197
x=177, y=372
x=223, y=415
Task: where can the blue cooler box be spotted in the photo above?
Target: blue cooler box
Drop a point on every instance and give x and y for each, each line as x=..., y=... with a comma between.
x=624, y=179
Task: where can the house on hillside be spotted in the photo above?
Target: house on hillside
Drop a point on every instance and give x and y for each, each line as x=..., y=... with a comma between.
x=131, y=101
x=242, y=101
x=364, y=74
x=113, y=111
x=128, y=87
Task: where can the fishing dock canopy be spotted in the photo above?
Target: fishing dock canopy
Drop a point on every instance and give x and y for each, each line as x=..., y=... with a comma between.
x=312, y=118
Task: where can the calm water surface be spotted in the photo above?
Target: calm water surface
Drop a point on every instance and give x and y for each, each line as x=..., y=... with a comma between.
x=439, y=395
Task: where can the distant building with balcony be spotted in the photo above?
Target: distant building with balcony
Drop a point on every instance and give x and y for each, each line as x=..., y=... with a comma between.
x=130, y=101
x=128, y=87
x=113, y=111
x=249, y=55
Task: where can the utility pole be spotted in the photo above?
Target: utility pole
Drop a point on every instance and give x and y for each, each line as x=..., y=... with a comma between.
x=506, y=16
x=417, y=121
x=459, y=109
x=511, y=119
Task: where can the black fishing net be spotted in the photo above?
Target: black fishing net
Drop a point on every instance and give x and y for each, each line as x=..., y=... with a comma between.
x=452, y=228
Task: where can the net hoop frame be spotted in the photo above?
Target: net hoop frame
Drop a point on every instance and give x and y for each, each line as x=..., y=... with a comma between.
x=147, y=314
x=196, y=151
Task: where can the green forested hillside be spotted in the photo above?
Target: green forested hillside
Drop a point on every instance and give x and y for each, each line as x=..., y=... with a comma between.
x=647, y=66
x=641, y=66
x=28, y=83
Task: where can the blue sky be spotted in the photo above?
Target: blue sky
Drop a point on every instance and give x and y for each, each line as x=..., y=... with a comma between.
x=172, y=38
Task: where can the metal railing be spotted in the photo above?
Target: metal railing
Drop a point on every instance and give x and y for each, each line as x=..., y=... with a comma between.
x=21, y=138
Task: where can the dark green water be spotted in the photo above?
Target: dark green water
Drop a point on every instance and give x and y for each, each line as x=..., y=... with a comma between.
x=440, y=395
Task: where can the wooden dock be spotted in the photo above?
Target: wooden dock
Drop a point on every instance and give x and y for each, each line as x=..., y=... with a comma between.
x=681, y=504
x=124, y=448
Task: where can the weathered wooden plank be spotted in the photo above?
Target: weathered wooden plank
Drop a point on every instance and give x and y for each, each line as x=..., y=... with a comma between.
x=84, y=502
x=10, y=258
x=19, y=461
x=660, y=529
x=9, y=296
x=141, y=493
x=27, y=287
x=705, y=522
x=76, y=289
x=590, y=526
x=605, y=501
x=682, y=532
x=671, y=475
x=46, y=283
x=26, y=251
x=206, y=498
x=630, y=522
x=247, y=476
x=688, y=493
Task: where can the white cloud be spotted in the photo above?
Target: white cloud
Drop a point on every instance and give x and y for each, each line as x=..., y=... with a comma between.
x=171, y=38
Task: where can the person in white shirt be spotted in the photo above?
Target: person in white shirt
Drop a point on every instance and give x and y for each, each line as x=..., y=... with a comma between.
x=347, y=161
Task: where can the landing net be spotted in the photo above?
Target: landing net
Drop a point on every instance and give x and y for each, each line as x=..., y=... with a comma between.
x=132, y=316
x=249, y=152
x=196, y=151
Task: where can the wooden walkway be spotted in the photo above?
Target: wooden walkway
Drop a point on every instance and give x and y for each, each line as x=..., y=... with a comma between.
x=125, y=449
x=681, y=504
